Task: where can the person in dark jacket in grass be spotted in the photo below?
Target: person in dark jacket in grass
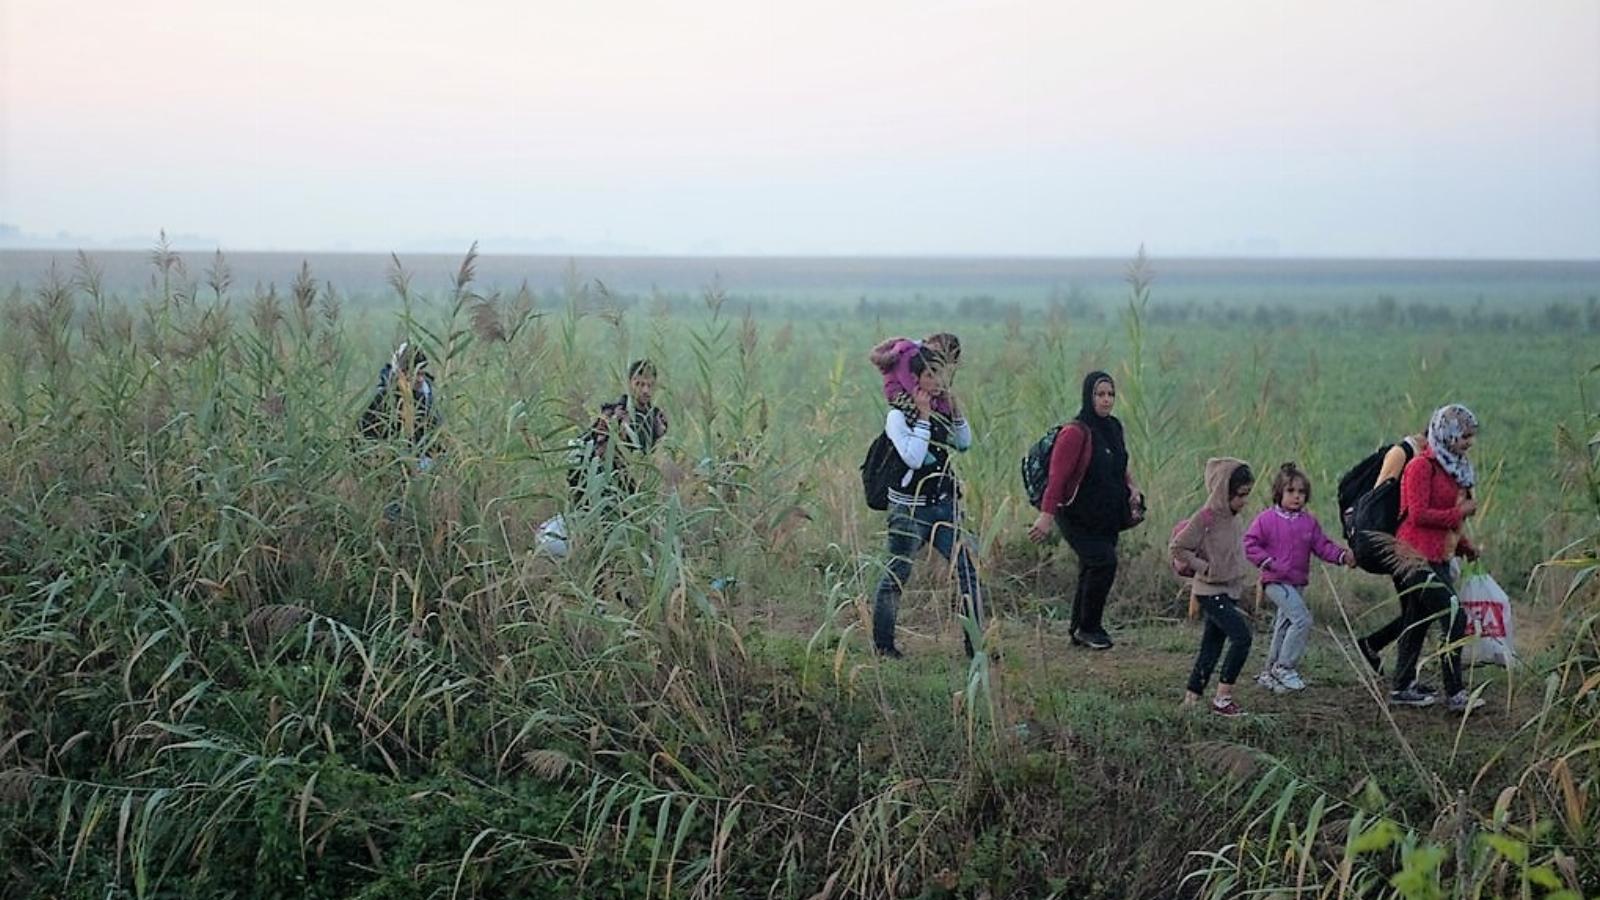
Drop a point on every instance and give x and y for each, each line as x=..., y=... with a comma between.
x=403, y=405
x=631, y=425
x=1091, y=497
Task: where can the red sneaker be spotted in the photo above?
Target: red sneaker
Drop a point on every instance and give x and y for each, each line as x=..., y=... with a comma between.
x=1226, y=708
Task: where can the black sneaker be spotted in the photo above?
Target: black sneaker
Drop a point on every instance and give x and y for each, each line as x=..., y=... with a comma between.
x=1374, y=661
x=890, y=652
x=1411, y=697
x=1094, y=640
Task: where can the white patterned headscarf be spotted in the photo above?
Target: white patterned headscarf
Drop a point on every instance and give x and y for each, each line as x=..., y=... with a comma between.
x=1445, y=430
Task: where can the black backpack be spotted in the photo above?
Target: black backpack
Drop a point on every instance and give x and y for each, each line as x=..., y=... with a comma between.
x=878, y=469
x=1368, y=513
x=1372, y=527
x=1036, y=466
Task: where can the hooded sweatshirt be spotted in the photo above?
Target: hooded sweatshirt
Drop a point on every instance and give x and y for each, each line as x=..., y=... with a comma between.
x=1212, y=544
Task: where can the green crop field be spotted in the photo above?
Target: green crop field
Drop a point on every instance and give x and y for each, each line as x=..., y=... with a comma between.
x=226, y=671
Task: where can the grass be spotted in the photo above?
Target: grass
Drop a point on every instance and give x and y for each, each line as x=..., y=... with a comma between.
x=224, y=671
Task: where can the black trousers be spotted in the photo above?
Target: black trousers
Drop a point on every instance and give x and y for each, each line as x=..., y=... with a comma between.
x=1427, y=596
x=1389, y=633
x=1097, y=570
x=1224, y=624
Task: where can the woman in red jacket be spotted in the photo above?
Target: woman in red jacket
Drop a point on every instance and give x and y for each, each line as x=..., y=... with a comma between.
x=1091, y=497
x=1435, y=502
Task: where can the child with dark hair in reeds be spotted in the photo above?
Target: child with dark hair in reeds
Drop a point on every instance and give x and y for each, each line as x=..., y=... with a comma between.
x=892, y=357
x=1280, y=542
x=1211, y=545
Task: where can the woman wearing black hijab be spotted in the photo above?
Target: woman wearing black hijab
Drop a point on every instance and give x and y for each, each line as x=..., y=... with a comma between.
x=1091, y=497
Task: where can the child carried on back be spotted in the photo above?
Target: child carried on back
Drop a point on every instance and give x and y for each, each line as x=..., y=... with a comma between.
x=893, y=359
x=1280, y=542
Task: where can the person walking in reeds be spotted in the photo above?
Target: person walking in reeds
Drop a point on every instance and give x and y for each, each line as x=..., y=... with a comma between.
x=1091, y=497
x=1394, y=464
x=924, y=497
x=631, y=425
x=1211, y=545
x=403, y=405
x=1280, y=542
x=1435, y=503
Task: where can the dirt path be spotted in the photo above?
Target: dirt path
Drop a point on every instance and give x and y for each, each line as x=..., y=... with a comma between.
x=1151, y=662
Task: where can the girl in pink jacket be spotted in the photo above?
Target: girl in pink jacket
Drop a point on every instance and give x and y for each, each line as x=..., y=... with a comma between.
x=1280, y=543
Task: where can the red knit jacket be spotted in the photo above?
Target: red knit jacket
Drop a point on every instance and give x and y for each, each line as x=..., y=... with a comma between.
x=1430, y=519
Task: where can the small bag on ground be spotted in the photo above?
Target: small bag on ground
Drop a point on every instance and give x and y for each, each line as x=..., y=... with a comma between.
x=552, y=537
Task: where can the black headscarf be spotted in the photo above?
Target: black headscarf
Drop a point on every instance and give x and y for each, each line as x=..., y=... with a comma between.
x=1107, y=430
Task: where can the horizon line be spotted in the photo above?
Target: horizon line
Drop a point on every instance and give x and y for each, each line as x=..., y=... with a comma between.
x=907, y=256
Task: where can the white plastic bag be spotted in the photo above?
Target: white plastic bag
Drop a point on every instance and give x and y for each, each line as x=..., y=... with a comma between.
x=552, y=537
x=1489, y=630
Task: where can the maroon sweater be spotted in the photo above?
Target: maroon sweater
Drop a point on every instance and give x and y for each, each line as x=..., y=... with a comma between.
x=1069, y=460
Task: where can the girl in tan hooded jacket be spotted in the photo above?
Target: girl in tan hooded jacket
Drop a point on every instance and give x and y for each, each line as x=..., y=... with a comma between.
x=1212, y=546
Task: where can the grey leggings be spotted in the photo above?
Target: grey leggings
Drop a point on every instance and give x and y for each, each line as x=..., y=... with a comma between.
x=1291, y=629
x=1224, y=623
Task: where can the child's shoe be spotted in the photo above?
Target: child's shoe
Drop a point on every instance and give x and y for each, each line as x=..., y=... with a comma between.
x=1289, y=678
x=1270, y=681
x=1226, y=708
x=1461, y=702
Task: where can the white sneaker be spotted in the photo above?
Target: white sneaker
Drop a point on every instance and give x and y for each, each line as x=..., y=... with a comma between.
x=1289, y=678
x=1269, y=681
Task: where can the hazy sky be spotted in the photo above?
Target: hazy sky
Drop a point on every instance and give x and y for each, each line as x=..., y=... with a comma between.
x=1459, y=128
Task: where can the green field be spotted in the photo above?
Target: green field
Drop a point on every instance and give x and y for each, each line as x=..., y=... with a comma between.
x=224, y=672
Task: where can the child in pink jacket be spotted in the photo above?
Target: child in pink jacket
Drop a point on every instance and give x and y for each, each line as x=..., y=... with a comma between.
x=1280, y=542
x=893, y=360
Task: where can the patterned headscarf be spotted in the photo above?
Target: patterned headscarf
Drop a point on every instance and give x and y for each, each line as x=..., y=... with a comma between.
x=1445, y=429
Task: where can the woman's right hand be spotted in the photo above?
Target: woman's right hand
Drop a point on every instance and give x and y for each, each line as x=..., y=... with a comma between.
x=1467, y=507
x=924, y=401
x=1040, y=530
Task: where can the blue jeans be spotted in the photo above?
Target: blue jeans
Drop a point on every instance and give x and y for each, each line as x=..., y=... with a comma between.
x=910, y=527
